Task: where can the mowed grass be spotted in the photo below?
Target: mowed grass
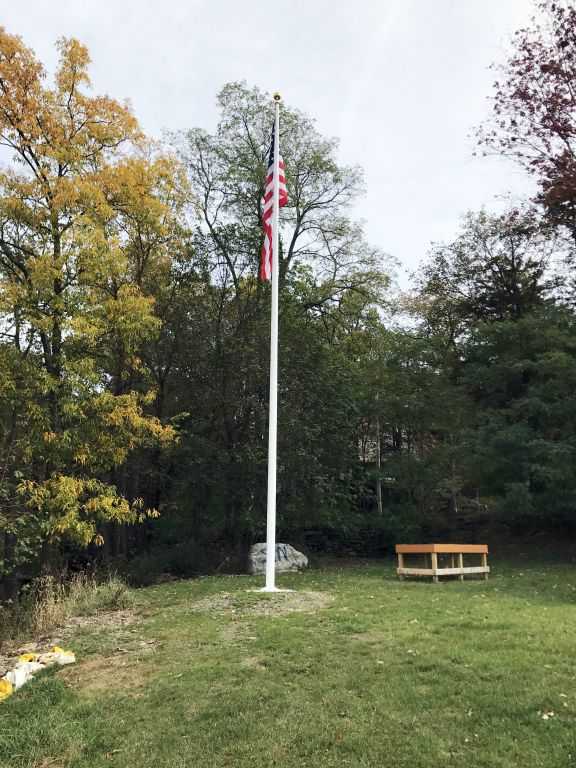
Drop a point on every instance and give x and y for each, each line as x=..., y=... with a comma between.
x=370, y=672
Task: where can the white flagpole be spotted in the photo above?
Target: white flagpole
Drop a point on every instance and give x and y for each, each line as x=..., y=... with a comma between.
x=273, y=413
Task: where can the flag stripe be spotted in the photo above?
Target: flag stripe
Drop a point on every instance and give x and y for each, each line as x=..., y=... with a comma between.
x=267, y=255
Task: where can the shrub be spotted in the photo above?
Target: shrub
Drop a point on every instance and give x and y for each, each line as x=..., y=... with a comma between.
x=47, y=602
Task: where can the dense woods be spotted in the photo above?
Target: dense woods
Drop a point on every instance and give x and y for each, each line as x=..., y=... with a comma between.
x=135, y=329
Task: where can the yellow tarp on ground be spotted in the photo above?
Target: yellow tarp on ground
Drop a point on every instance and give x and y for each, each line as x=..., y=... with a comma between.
x=27, y=657
x=5, y=689
x=27, y=666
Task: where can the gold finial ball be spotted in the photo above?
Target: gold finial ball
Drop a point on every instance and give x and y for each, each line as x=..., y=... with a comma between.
x=277, y=96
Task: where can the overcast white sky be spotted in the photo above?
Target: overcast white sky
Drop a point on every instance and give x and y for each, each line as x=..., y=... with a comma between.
x=402, y=83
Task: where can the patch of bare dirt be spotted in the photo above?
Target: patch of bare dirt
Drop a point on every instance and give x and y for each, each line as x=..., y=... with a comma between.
x=372, y=638
x=72, y=753
x=101, y=620
x=235, y=630
x=61, y=634
x=102, y=674
x=254, y=663
x=253, y=603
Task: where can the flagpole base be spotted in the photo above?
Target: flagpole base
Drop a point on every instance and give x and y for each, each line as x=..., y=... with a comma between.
x=270, y=589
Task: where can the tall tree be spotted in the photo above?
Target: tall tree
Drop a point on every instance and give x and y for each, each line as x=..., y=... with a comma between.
x=497, y=269
x=520, y=376
x=227, y=171
x=87, y=216
x=331, y=282
x=489, y=299
x=534, y=106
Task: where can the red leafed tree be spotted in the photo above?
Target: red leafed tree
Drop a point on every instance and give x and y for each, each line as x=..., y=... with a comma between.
x=534, y=107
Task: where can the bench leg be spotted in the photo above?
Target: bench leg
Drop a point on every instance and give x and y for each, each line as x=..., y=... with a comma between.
x=460, y=557
x=434, y=558
x=485, y=564
x=400, y=565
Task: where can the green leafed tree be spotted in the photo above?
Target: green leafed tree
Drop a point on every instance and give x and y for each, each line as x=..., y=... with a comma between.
x=227, y=170
x=520, y=376
x=331, y=284
x=499, y=268
x=490, y=300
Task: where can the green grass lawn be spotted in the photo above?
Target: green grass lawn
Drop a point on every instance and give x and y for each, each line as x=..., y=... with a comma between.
x=367, y=671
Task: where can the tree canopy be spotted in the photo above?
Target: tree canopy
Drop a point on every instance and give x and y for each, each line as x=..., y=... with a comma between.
x=134, y=331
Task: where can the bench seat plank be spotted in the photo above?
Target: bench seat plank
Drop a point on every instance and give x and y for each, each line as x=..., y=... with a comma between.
x=481, y=549
x=442, y=571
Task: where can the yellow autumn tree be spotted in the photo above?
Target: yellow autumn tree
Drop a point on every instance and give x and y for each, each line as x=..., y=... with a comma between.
x=90, y=214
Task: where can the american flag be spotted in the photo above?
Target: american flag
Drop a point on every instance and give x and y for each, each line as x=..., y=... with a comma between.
x=267, y=256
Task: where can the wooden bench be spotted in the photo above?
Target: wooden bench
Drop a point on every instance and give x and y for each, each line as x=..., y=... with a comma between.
x=456, y=554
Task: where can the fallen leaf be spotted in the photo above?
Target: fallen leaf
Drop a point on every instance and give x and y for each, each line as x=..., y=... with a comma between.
x=545, y=714
x=110, y=755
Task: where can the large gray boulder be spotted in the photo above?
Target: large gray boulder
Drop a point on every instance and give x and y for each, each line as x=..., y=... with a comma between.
x=287, y=559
